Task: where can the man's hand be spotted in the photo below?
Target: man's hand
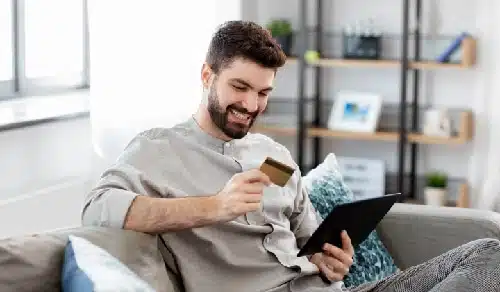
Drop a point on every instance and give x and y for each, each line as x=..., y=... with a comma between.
x=333, y=262
x=242, y=194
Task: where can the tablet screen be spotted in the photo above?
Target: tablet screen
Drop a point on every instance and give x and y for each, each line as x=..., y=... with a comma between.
x=358, y=218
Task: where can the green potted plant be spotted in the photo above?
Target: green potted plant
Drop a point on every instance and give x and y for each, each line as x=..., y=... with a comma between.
x=436, y=188
x=281, y=30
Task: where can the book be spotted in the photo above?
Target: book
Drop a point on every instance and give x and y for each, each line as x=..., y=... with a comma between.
x=452, y=48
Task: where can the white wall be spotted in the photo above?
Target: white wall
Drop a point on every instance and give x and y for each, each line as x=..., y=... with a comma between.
x=445, y=88
x=46, y=171
x=162, y=65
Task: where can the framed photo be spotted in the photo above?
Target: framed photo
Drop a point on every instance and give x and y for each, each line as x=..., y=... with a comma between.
x=355, y=111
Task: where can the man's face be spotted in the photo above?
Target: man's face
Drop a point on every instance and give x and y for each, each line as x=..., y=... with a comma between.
x=237, y=95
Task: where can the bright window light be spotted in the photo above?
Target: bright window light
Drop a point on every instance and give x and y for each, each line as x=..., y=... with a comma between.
x=6, y=40
x=145, y=62
x=54, y=37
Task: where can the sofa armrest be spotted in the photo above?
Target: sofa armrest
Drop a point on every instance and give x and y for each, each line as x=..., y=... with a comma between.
x=416, y=233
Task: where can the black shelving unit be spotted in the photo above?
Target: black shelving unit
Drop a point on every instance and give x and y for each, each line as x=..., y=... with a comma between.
x=405, y=72
x=415, y=94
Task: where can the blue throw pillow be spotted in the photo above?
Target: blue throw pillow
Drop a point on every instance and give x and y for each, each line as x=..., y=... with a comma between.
x=89, y=268
x=327, y=189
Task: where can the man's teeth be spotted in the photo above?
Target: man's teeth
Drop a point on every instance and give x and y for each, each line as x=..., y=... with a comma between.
x=239, y=115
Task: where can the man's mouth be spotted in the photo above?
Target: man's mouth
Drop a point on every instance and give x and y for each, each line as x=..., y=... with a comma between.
x=239, y=116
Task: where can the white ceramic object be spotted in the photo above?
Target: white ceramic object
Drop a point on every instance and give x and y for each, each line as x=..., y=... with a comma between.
x=437, y=123
x=435, y=196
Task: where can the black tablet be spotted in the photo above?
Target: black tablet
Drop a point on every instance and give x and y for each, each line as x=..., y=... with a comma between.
x=358, y=218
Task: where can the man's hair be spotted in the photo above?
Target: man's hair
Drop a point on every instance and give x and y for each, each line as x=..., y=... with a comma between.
x=246, y=40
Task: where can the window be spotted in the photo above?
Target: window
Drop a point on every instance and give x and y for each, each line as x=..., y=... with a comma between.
x=163, y=85
x=6, y=46
x=43, y=47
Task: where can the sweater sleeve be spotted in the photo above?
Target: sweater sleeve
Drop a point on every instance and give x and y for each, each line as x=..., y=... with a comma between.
x=107, y=204
x=304, y=220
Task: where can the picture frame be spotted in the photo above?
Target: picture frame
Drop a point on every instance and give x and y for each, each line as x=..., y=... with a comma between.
x=355, y=111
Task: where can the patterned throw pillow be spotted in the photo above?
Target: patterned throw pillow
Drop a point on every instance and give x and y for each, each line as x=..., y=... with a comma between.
x=326, y=190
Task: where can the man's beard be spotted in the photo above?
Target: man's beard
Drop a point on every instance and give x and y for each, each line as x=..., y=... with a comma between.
x=219, y=116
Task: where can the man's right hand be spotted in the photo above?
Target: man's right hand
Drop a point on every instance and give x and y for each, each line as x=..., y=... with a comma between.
x=241, y=194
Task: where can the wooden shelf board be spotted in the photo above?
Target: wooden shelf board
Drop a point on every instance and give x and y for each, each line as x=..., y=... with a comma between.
x=424, y=139
x=468, y=59
x=437, y=65
x=286, y=131
x=355, y=63
x=424, y=65
x=376, y=136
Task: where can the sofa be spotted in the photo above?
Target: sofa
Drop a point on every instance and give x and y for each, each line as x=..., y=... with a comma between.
x=411, y=233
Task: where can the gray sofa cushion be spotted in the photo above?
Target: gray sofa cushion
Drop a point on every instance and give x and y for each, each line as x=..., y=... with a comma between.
x=34, y=262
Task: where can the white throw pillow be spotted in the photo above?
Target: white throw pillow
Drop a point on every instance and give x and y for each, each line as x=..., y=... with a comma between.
x=87, y=267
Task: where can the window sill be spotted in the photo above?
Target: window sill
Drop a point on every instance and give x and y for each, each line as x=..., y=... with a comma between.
x=33, y=110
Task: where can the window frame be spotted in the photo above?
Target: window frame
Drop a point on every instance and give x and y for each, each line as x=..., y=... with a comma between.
x=7, y=87
x=21, y=86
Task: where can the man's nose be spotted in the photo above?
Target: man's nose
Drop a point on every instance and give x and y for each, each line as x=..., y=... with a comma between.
x=250, y=103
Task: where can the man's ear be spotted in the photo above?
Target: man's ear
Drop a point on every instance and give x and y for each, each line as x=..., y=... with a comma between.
x=206, y=75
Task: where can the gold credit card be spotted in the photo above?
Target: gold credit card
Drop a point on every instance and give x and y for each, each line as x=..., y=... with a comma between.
x=278, y=172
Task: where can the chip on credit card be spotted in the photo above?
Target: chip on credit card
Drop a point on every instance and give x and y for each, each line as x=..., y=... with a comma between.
x=277, y=172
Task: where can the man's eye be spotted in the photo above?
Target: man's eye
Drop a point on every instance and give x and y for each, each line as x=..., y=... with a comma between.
x=239, y=88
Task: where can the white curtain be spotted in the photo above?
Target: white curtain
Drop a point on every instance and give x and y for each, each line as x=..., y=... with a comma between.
x=489, y=164
x=145, y=61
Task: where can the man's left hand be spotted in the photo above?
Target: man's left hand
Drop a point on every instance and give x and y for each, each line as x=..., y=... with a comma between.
x=334, y=262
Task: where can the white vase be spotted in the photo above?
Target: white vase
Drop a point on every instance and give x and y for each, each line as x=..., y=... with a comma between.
x=435, y=196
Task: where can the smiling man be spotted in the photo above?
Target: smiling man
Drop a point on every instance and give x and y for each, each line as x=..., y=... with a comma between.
x=244, y=87
x=199, y=187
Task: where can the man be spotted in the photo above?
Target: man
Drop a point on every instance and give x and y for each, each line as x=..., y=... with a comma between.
x=229, y=228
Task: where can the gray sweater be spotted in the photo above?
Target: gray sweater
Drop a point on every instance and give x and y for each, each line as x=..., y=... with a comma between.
x=255, y=252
